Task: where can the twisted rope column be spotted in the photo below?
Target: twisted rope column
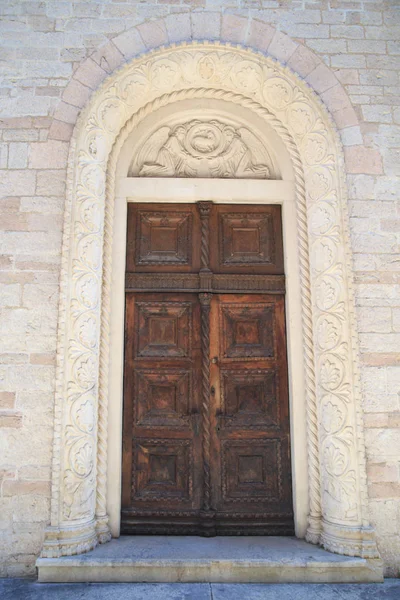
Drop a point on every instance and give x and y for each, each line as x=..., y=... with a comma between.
x=205, y=301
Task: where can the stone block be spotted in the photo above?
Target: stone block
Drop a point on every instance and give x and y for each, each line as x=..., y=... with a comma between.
x=383, y=443
x=348, y=61
x=345, y=117
x=299, y=30
x=260, y=35
x=385, y=515
x=76, y=94
x=336, y=98
x=42, y=204
x=153, y=33
x=333, y=17
x=17, y=183
x=377, y=113
x=361, y=187
x=108, y=57
x=396, y=319
x=17, y=155
x=66, y=113
x=384, y=490
x=49, y=155
x=348, y=76
x=178, y=27
x=10, y=419
x=303, y=61
x=50, y=183
x=282, y=47
x=233, y=28
x=327, y=46
x=366, y=46
x=350, y=32
x=351, y=136
x=376, y=419
x=10, y=295
x=31, y=377
x=129, y=43
x=383, y=472
x=380, y=61
x=374, y=342
x=7, y=400
x=61, y=131
x=90, y=74
x=3, y=155
x=19, y=487
x=206, y=25
x=363, y=160
x=43, y=359
x=45, y=296
x=375, y=319
x=321, y=79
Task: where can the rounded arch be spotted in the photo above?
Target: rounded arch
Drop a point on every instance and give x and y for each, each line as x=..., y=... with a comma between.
x=338, y=511
x=186, y=27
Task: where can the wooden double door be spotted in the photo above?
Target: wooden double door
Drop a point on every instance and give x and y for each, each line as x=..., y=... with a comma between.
x=206, y=425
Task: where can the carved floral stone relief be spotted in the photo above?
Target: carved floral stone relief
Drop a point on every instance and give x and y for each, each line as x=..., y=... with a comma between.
x=337, y=488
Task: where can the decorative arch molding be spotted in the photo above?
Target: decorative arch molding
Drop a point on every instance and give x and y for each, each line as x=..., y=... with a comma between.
x=338, y=502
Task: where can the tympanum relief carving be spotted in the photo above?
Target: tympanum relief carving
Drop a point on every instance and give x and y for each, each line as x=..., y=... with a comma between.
x=203, y=149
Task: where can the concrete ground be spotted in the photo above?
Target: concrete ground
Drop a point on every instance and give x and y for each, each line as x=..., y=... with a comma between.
x=23, y=589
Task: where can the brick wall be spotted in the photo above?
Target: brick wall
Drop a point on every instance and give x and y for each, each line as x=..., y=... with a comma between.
x=43, y=47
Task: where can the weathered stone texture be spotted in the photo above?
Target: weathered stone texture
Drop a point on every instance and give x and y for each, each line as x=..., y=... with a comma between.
x=347, y=51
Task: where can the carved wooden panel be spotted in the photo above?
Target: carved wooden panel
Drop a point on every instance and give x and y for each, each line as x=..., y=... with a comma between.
x=163, y=329
x=247, y=332
x=251, y=471
x=162, y=470
x=163, y=238
x=249, y=398
x=163, y=397
x=248, y=239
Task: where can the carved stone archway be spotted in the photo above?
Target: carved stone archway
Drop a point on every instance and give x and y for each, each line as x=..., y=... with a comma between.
x=338, y=503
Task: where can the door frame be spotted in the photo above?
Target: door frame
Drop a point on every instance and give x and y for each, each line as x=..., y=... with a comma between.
x=248, y=82
x=173, y=190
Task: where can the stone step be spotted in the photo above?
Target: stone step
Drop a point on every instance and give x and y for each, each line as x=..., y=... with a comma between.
x=169, y=559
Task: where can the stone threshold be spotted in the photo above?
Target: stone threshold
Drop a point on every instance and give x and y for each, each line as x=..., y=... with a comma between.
x=172, y=559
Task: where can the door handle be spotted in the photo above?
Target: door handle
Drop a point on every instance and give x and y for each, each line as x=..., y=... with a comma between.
x=214, y=360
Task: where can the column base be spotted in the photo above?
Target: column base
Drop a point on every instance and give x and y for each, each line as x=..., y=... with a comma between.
x=103, y=530
x=68, y=540
x=349, y=541
x=314, y=529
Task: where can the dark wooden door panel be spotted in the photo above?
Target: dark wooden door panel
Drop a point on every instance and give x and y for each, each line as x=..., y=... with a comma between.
x=162, y=461
x=163, y=238
x=206, y=424
x=250, y=440
x=247, y=239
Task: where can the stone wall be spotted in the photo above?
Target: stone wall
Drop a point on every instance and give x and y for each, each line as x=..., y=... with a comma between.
x=348, y=51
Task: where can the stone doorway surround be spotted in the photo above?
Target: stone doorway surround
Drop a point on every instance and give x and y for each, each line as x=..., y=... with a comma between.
x=331, y=502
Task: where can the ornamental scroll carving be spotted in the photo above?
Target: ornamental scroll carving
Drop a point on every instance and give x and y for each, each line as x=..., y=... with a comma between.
x=203, y=149
x=336, y=454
